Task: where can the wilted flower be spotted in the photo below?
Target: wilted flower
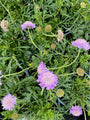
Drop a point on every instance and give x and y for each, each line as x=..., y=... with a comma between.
x=76, y=111
x=83, y=5
x=28, y=24
x=60, y=93
x=47, y=79
x=60, y=35
x=81, y=43
x=48, y=28
x=80, y=71
x=53, y=46
x=8, y=102
x=41, y=68
x=4, y=25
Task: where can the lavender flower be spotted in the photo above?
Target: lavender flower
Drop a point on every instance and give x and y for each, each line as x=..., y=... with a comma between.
x=60, y=35
x=8, y=102
x=27, y=24
x=41, y=68
x=47, y=79
x=76, y=111
x=0, y=83
x=81, y=43
x=4, y=25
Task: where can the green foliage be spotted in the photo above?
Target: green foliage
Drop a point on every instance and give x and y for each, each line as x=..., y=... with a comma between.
x=19, y=57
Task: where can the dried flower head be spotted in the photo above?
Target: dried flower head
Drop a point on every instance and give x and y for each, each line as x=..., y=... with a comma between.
x=48, y=28
x=80, y=72
x=83, y=5
x=60, y=35
x=4, y=25
x=47, y=79
x=37, y=7
x=27, y=24
x=81, y=43
x=39, y=29
x=60, y=93
x=53, y=46
x=8, y=102
x=41, y=68
x=14, y=116
x=76, y=111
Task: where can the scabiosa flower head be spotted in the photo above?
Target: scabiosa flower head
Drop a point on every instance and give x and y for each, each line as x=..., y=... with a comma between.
x=4, y=25
x=76, y=111
x=41, y=68
x=60, y=35
x=27, y=24
x=48, y=28
x=8, y=102
x=81, y=43
x=47, y=79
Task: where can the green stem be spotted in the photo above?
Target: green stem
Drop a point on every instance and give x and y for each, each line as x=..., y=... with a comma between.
x=49, y=35
x=67, y=74
x=6, y=10
x=15, y=73
x=42, y=91
x=84, y=114
x=34, y=43
x=63, y=66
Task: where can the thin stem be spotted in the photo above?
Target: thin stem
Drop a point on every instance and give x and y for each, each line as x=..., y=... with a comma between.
x=49, y=35
x=16, y=72
x=34, y=43
x=84, y=114
x=67, y=74
x=63, y=66
x=42, y=91
x=6, y=10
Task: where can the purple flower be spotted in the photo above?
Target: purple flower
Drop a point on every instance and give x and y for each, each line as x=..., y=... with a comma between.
x=60, y=35
x=81, y=43
x=27, y=24
x=41, y=68
x=8, y=102
x=76, y=111
x=47, y=79
x=0, y=71
x=0, y=83
x=4, y=25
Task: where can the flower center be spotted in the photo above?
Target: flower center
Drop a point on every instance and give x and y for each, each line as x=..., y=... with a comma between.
x=48, y=78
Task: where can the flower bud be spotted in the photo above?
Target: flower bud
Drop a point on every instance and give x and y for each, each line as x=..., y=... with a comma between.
x=80, y=72
x=83, y=5
x=37, y=7
x=53, y=46
x=14, y=116
x=39, y=29
x=60, y=93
